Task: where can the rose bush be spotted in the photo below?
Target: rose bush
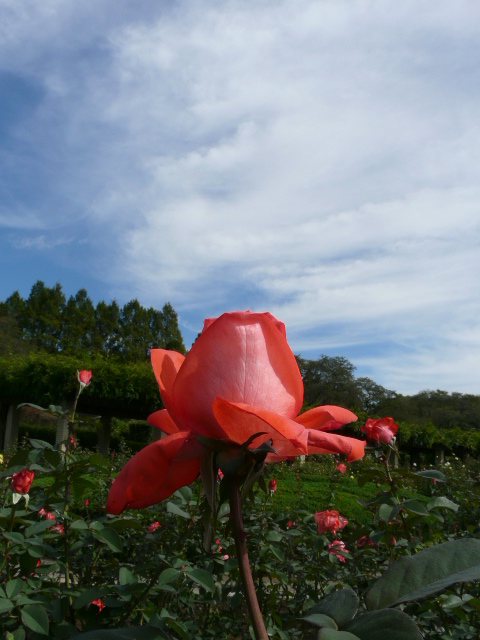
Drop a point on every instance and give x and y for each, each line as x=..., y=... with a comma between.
x=240, y=386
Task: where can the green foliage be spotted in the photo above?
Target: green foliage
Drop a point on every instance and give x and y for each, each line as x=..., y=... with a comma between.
x=47, y=322
x=161, y=583
x=115, y=387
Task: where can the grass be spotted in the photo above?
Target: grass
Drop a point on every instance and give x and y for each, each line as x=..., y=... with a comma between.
x=316, y=485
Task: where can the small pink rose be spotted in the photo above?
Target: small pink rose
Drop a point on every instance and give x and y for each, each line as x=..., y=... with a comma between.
x=21, y=481
x=329, y=520
x=380, y=429
x=84, y=376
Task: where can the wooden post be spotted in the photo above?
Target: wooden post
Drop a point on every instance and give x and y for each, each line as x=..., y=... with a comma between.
x=439, y=455
x=11, y=427
x=104, y=435
x=62, y=430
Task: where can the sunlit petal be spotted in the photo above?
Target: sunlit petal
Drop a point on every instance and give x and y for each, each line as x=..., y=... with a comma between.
x=154, y=473
x=243, y=358
x=326, y=417
x=163, y=421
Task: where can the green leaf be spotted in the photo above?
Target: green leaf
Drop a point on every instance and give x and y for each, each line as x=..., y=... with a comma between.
x=414, y=506
x=94, y=593
x=384, y=512
x=99, y=461
x=385, y=623
x=110, y=537
x=35, y=618
x=38, y=527
x=179, y=628
x=13, y=587
x=320, y=620
x=442, y=502
x=5, y=605
x=144, y=632
x=426, y=573
x=81, y=485
x=201, y=577
x=125, y=576
x=79, y=525
x=340, y=605
x=172, y=508
x=127, y=522
x=14, y=536
x=40, y=444
x=332, y=634
x=168, y=575
x=430, y=473
x=274, y=536
x=52, y=457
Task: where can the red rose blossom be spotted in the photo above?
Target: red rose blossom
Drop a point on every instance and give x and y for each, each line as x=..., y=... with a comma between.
x=240, y=378
x=335, y=546
x=272, y=485
x=364, y=540
x=380, y=430
x=341, y=467
x=84, y=376
x=98, y=603
x=153, y=526
x=329, y=520
x=21, y=481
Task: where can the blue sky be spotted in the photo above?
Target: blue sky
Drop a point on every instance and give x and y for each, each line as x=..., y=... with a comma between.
x=319, y=159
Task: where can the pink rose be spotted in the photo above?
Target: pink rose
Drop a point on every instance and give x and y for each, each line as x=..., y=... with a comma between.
x=84, y=376
x=329, y=520
x=380, y=429
x=335, y=546
x=239, y=379
x=21, y=481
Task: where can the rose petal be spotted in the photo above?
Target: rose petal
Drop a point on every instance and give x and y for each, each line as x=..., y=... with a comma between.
x=166, y=365
x=326, y=417
x=240, y=421
x=163, y=421
x=321, y=442
x=244, y=358
x=153, y=474
x=278, y=323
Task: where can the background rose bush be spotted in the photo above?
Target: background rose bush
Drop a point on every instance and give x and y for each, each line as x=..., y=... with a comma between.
x=163, y=581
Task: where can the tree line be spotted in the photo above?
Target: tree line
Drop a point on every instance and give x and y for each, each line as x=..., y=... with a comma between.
x=47, y=321
x=331, y=380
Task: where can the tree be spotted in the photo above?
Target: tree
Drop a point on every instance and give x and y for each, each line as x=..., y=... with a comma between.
x=135, y=334
x=11, y=334
x=43, y=317
x=78, y=324
x=372, y=394
x=171, y=337
x=106, y=333
x=329, y=380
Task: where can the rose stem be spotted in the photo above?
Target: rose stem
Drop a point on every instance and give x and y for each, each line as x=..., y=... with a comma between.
x=244, y=563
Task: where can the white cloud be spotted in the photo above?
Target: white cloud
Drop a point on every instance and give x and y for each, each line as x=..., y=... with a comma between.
x=318, y=158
